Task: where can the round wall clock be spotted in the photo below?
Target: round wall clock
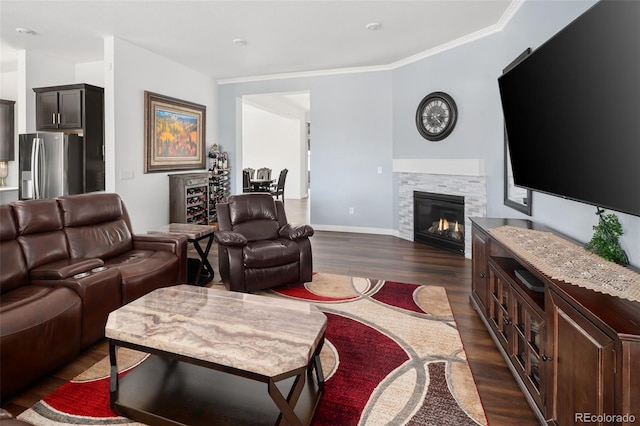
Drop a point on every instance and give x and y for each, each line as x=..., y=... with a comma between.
x=436, y=116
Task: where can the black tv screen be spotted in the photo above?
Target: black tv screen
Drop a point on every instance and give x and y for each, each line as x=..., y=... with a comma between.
x=572, y=110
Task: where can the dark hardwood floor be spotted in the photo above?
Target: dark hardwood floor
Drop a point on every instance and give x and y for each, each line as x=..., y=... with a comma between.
x=381, y=257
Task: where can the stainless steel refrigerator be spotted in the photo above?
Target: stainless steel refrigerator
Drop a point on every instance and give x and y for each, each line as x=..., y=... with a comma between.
x=51, y=164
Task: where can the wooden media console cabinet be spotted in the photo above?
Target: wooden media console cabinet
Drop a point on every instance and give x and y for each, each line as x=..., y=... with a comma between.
x=575, y=352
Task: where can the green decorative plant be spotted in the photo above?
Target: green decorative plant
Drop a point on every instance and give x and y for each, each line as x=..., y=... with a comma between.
x=606, y=239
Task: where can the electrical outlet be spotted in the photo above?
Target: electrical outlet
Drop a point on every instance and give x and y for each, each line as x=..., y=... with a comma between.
x=351, y=210
x=379, y=170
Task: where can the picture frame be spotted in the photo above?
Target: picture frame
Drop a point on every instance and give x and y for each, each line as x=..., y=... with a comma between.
x=174, y=134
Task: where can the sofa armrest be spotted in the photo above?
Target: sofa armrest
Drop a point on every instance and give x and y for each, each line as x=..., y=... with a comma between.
x=296, y=232
x=174, y=243
x=101, y=293
x=66, y=268
x=155, y=242
x=230, y=238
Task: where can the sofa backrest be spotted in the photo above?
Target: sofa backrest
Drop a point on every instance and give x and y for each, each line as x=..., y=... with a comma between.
x=40, y=231
x=96, y=225
x=253, y=215
x=13, y=270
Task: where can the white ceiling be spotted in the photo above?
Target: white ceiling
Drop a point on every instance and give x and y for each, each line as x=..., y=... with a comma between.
x=282, y=36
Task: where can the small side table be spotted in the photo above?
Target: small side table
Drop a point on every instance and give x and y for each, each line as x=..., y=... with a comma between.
x=194, y=234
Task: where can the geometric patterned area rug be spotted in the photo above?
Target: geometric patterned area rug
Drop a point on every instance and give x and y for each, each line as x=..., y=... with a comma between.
x=392, y=356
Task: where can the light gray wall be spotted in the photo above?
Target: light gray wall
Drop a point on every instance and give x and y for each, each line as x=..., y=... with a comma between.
x=130, y=71
x=468, y=73
x=360, y=121
x=351, y=138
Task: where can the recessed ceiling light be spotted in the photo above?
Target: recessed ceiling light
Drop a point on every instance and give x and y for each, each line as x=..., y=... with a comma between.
x=374, y=26
x=25, y=31
x=239, y=41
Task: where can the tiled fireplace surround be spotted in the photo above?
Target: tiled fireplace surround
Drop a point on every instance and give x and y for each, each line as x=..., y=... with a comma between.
x=460, y=177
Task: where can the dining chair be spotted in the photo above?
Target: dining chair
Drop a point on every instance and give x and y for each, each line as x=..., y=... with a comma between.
x=278, y=189
x=263, y=173
x=251, y=172
x=246, y=181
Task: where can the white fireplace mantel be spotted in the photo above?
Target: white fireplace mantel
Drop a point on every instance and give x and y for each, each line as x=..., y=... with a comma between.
x=452, y=166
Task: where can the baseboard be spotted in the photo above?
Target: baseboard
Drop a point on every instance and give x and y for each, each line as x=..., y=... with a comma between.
x=356, y=229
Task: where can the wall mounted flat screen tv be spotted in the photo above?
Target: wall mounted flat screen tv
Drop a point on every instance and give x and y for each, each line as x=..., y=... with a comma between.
x=572, y=110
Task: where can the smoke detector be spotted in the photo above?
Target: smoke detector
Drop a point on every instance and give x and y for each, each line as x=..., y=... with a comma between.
x=25, y=31
x=373, y=26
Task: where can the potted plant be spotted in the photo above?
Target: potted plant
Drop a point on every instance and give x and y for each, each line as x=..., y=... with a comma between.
x=606, y=239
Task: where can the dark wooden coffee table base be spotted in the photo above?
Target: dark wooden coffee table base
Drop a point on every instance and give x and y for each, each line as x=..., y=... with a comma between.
x=165, y=391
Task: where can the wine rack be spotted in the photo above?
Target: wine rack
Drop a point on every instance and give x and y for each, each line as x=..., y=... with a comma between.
x=189, y=198
x=219, y=190
x=219, y=180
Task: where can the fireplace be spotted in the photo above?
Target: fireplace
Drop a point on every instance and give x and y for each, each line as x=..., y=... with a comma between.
x=438, y=219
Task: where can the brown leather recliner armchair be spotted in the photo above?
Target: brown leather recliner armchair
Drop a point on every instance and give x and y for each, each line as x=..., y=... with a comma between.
x=257, y=248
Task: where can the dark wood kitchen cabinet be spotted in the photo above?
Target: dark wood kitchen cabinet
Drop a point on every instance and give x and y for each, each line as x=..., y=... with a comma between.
x=7, y=130
x=76, y=108
x=59, y=109
x=574, y=352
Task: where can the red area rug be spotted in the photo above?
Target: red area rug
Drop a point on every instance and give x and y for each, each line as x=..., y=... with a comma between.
x=392, y=357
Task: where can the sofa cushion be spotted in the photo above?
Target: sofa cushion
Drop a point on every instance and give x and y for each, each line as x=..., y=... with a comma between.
x=40, y=232
x=96, y=225
x=90, y=209
x=254, y=216
x=257, y=230
x=104, y=240
x=40, y=330
x=144, y=271
x=41, y=249
x=269, y=253
x=36, y=216
x=8, y=228
x=13, y=270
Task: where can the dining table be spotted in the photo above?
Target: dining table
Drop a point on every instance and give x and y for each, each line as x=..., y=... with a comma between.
x=261, y=185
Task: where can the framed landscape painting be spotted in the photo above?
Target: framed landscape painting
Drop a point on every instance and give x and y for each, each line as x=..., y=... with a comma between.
x=174, y=134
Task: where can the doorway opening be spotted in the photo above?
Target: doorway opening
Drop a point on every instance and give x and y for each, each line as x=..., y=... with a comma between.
x=276, y=135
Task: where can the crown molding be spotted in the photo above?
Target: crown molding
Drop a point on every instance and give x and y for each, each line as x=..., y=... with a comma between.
x=303, y=74
x=506, y=17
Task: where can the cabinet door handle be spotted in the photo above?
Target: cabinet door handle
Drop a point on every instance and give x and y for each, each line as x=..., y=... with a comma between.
x=546, y=358
x=506, y=320
x=58, y=118
x=482, y=275
x=53, y=118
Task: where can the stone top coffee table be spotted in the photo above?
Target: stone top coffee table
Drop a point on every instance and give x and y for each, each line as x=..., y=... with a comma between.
x=213, y=351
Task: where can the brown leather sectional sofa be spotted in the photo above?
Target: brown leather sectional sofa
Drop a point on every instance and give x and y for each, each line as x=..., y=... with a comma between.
x=65, y=264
